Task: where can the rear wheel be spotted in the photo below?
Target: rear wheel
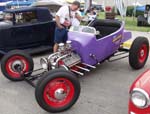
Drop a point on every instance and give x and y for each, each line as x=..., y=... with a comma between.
x=14, y=63
x=57, y=91
x=139, y=52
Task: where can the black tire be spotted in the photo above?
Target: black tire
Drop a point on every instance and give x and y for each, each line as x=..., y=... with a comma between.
x=26, y=60
x=47, y=78
x=139, y=23
x=135, y=61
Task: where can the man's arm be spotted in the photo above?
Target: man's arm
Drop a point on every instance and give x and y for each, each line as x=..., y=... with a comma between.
x=57, y=19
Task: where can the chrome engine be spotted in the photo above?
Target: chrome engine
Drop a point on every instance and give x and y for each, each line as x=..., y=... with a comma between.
x=64, y=57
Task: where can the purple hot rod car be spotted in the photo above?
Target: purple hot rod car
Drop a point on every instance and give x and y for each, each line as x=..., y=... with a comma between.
x=58, y=87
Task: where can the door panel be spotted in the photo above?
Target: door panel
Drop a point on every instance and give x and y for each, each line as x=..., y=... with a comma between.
x=21, y=35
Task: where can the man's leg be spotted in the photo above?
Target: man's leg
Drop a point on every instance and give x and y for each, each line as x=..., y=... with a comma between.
x=56, y=40
x=65, y=38
x=55, y=48
x=60, y=37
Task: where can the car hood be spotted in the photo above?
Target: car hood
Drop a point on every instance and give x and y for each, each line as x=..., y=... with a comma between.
x=5, y=24
x=142, y=82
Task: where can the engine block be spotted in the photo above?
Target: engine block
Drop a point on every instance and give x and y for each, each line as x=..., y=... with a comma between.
x=72, y=59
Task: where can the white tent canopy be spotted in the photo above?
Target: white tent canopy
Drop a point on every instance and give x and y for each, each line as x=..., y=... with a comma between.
x=52, y=5
x=129, y=2
x=137, y=4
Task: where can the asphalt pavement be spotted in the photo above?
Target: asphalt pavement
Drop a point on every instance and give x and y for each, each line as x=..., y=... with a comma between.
x=104, y=90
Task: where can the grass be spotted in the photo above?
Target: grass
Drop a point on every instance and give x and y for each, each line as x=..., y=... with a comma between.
x=131, y=23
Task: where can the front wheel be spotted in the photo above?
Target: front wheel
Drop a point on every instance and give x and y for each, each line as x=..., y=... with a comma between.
x=139, y=52
x=57, y=90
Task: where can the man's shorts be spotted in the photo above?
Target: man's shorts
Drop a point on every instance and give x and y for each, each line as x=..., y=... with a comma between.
x=61, y=35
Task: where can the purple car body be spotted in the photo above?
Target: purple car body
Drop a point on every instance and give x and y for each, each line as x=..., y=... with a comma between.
x=86, y=44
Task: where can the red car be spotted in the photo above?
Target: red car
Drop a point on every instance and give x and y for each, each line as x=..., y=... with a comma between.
x=139, y=102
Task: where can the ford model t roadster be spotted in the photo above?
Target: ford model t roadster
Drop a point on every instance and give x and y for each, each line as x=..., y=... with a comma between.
x=58, y=88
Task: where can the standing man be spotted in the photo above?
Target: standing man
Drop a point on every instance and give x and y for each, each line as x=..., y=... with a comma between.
x=64, y=19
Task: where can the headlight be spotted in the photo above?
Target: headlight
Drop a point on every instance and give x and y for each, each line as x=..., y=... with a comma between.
x=140, y=98
x=44, y=63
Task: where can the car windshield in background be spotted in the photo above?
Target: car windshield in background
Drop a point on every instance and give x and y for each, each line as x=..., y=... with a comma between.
x=8, y=17
x=1, y=15
x=26, y=17
x=84, y=29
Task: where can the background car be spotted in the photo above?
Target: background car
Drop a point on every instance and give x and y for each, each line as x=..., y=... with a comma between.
x=144, y=20
x=30, y=29
x=98, y=7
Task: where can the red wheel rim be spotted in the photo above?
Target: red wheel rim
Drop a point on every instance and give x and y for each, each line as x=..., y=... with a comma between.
x=143, y=53
x=9, y=69
x=62, y=86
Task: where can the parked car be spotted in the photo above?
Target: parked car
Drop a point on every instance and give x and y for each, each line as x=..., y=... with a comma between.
x=19, y=4
x=139, y=101
x=58, y=87
x=30, y=29
x=98, y=7
x=144, y=20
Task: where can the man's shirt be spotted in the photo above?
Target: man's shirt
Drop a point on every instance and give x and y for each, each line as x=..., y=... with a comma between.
x=63, y=14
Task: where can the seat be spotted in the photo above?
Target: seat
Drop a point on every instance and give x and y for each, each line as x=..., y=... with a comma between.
x=106, y=27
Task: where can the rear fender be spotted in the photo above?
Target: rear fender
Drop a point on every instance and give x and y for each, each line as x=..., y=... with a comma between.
x=126, y=36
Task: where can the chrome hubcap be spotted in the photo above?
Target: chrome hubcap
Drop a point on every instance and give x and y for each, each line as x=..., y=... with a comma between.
x=60, y=94
x=142, y=53
x=17, y=64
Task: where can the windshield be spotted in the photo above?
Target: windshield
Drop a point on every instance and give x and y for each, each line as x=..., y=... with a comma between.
x=8, y=17
x=1, y=15
x=84, y=29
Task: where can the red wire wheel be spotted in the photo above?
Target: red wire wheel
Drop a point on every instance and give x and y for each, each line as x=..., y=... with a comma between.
x=14, y=63
x=57, y=90
x=18, y=61
x=139, y=53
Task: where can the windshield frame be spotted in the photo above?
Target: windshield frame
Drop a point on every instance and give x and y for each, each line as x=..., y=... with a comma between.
x=80, y=29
